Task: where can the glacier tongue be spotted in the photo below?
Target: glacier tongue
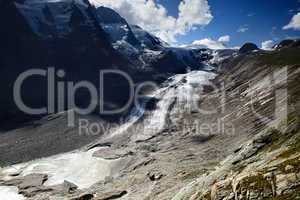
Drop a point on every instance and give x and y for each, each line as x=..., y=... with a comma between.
x=180, y=94
x=80, y=168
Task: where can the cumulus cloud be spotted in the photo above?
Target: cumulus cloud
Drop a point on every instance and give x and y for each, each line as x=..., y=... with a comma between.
x=294, y=23
x=210, y=43
x=267, y=45
x=154, y=17
x=225, y=38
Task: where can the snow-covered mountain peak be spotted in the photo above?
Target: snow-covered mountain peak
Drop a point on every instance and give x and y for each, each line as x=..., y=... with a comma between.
x=116, y=27
x=147, y=39
x=51, y=17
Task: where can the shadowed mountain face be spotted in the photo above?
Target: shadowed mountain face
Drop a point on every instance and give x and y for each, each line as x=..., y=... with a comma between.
x=80, y=39
x=61, y=34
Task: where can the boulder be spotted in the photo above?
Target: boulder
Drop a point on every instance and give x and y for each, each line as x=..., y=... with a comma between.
x=25, y=182
x=85, y=196
x=111, y=195
x=289, y=168
x=154, y=176
x=66, y=187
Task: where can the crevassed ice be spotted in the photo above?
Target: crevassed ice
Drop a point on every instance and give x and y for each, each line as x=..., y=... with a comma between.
x=181, y=93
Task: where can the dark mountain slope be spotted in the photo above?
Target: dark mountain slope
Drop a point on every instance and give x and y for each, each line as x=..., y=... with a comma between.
x=35, y=37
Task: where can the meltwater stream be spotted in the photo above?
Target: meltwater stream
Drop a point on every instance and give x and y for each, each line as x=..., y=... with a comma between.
x=83, y=169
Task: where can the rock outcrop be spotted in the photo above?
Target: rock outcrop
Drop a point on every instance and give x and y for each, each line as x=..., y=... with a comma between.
x=248, y=48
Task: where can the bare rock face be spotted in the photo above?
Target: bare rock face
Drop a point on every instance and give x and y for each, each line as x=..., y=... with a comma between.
x=29, y=185
x=32, y=180
x=66, y=187
x=271, y=172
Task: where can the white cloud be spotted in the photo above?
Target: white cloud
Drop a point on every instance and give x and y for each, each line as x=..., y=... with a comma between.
x=225, y=38
x=243, y=29
x=209, y=43
x=294, y=23
x=267, y=45
x=154, y=17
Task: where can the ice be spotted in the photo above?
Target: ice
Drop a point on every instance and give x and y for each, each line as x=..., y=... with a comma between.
x=79, y=167
x=10, y=193
x=180, y=94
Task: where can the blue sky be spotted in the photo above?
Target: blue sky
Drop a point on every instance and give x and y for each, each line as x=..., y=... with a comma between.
x=264, y=20
x=203, y=22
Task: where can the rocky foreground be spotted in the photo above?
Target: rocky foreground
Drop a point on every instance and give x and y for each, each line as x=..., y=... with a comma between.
x=161, y=153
